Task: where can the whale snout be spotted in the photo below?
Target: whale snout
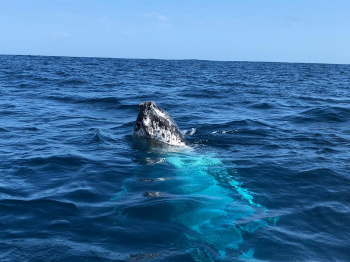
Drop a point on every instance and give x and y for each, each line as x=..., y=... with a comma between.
x=145, y=107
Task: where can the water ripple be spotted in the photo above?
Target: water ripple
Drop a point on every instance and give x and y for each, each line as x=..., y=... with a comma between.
x=76, y=185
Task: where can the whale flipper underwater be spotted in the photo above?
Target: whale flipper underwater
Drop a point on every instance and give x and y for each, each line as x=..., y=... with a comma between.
x=220, y=209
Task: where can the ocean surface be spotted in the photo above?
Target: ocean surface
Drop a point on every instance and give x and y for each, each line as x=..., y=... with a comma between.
x=265, y=176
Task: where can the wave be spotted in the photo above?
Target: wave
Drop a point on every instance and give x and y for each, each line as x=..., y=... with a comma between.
x=65, y=161
x=325, y=114
x=73, y=82
x=100, y=137
x=28, y=205
x=237, y=123
x=263, y=105
x=86, y=100
x=66, y=128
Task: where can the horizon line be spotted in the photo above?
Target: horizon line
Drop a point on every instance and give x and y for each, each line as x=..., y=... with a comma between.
x=177, y=59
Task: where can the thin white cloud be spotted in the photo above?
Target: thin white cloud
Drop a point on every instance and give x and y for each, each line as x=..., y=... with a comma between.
x=64, y=16
x=292, y=20
x=58, y=35
x=104, y=19
x=154, y=16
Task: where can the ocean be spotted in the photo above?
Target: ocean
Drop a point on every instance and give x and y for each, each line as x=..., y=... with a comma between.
x=265, y=176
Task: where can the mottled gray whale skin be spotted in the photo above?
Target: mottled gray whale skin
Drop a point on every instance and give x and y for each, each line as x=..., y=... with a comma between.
x=154, y=122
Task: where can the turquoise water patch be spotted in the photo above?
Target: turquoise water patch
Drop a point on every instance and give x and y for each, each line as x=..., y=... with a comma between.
x=213, y=218
x=206, y=197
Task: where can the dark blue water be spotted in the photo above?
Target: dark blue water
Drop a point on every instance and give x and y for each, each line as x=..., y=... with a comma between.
x=267, y=178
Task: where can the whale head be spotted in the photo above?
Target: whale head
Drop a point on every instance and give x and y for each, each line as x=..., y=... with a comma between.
x=154, y=122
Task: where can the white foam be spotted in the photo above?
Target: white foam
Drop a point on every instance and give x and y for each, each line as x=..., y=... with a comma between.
x=189, y=132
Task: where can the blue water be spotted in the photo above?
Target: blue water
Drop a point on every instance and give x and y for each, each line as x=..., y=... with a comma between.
x=265, y=178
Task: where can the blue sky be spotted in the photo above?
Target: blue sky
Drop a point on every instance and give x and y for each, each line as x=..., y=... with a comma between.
x=260, y=30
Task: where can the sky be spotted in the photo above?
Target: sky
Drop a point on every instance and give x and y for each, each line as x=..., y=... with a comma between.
x=306, y=31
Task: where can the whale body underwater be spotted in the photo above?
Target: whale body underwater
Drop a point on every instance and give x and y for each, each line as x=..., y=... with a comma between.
x=221, y=210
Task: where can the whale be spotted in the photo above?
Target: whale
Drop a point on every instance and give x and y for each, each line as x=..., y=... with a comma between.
x=209, y=201
x=154, y=122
